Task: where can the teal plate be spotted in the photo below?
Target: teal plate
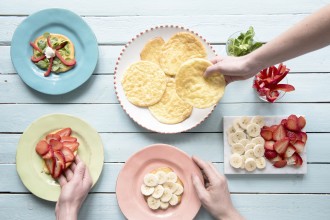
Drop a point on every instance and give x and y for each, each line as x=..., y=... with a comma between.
x=59, y=21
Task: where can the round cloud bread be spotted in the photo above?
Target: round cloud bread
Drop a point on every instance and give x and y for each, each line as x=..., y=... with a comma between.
x=196, y=90
x=171, y=109
x=144, y=83
x=179, y=48
x=152, y=50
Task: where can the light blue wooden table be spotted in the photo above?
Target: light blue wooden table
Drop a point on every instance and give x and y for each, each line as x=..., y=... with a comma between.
x=115, y=23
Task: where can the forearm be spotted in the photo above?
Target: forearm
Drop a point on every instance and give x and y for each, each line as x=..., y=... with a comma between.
x=66, y=214
x=310, y=34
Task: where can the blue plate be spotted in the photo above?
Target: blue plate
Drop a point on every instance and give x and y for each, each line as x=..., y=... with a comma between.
x=58, y=21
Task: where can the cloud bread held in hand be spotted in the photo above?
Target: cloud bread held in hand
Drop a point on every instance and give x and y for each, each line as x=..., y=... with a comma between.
x=171, y=109
x=152, y=50
x=144, y=83
x=195, y=89
x=178, y=49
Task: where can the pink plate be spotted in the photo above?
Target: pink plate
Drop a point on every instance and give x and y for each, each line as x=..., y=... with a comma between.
x=130, y=178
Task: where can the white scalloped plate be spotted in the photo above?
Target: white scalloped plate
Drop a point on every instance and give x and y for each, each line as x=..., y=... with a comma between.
x=270, y=169
x=142, y=116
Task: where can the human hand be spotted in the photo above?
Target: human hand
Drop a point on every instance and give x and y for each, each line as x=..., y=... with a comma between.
x=75, y=183
x=215, y=196
x=233, y=68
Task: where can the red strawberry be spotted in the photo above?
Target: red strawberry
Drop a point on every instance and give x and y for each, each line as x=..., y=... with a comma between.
x=64, y=132
x=60, y=158
x=292, y=125
x=277, y=158
x=57, y=170
x=273, y=128
x=281, y=145
x=269, y=145
x=73, y=146
x=266, y=134
x=280, y=164
x=301, y=122
x=292, y=136
x=56, y=145
x=289, y=151
x=293, y=117
x=49, y=154
x=68, y=154
x=68, y=139
x=279, y=133
x=42, y=148
x=298, y=159
x=50, y=164
x=303, y=136
x=52, y=137
x=270, y=154
x=283, y=122
x=299, y=145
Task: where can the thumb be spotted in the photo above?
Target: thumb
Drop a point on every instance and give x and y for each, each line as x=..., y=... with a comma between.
x=199, y=187
x=212, y=69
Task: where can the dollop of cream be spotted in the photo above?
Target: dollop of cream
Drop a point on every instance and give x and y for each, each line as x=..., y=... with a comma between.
x=49, y=52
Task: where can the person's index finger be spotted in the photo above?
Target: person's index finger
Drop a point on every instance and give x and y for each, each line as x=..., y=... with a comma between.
x=209, y=172
x=62, y=180
x=77, y=159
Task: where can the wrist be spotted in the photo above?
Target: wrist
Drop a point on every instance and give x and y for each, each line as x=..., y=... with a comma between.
x=231, y=214
x=252, y=64
x=66, y=213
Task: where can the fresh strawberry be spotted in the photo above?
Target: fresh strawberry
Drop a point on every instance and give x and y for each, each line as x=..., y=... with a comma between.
x=293, y=117
x=57, y=170
x=283, y=122
x=56, y=145
x=64, y=132
x=266, y=134
x=289, y=151
x=280, y=146
x=292, y=125
x=50, y=164
x=303, y=136
x=49, y=154
x=279, y=133
x=298, y=159
x=299, y=145
x=42, y=148
x=292, y=136
x=273, y=128
x=73, y=146
x=68, y=139
x=298, y=135
x=68, y=154
x=280, y=164
x=52, y=137
x=270, y=154
x=275, y=159
x=269, y=145
x=301, y=122
x=60, y=158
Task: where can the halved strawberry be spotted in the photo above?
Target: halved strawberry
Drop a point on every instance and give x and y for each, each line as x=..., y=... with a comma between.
x=299, y=145
x=298, y=159
x=289, y=151
x=277, y=158
x=52, y=137
x=292, y=136
x=266, y=134
x=303, y=136
x=293, y=117
x=64, y=132
x=270, y=154
x=280, y=146
x=301, y=122
x=273, y=128
x=269, y=145
x=60, y=158
x=42, y=148
x=283, y=122
x=49, y=154
x=279, y=133
x=280, y=163
x=292, y=125
x=73, y=146
x=68, y=139
x=68, y=154
x=50, y=164
x=57, y=170
x=56, y=145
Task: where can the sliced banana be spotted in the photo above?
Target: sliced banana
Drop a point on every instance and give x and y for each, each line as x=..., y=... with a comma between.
x=153, y=203
x=162, y=177
x=259, y=150
x=243, y=162
x=164, y=205
x=174, y=200
x=258, y=140
x=244, y=121
x=236, y=125
x=259, y=120
x=150, y=179
x=261, y=163
x=253, y=130
x=179, y=191
x=167, y=195
x=250, y=164
x=237, y=149
x=236, y=160
x=172, y=186
x=159, y=190
x=237, y=136
x=249, y=146
x=231, y=130
x=244, y=142
x=249, y=154
x=171, y=177
x=147, y=190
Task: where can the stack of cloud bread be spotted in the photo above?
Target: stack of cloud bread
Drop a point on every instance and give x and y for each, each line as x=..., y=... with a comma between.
x=169, y=78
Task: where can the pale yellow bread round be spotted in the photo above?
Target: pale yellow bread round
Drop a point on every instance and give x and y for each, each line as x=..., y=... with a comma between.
x=194, y=88
x=151, y=51
x=179, y=48
x=144, y=83
x=171, y=109
x=167, y=170
x=60, y=38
